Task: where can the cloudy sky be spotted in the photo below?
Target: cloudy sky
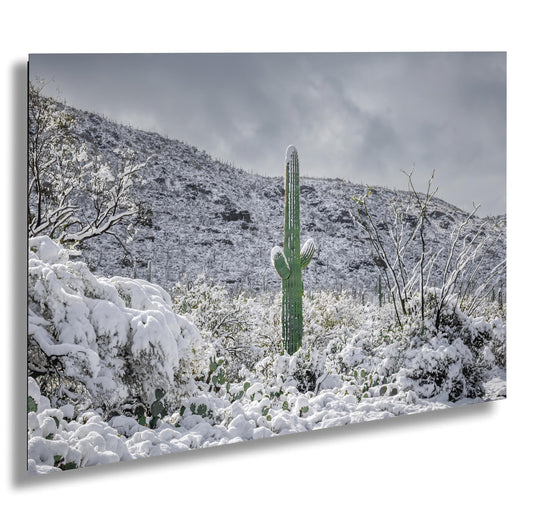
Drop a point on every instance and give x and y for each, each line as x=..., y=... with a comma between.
x=360, y=116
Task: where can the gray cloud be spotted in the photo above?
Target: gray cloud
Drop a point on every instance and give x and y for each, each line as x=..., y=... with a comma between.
x=358, y=116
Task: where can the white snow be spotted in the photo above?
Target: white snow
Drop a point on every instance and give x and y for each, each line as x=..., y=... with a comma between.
x=117, y=336
x=291, y=149
x=89, y=440
x=228, y=381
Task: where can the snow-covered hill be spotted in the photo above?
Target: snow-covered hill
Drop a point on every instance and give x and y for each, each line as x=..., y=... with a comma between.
x=203, y=216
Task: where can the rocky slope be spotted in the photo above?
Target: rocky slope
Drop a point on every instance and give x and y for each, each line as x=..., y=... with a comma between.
x=202, y=216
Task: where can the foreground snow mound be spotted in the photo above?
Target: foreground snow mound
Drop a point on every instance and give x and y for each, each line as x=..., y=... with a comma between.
x=103, y=342
x=58, y=441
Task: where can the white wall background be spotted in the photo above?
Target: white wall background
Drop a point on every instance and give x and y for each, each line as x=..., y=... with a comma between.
x=472, y=460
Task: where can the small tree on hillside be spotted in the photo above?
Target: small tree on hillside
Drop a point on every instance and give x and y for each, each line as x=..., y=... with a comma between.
x=74, y=193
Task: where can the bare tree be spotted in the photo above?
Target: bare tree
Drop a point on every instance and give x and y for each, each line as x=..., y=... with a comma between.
x=461, y=279
x=407, y=267
x=391, y=241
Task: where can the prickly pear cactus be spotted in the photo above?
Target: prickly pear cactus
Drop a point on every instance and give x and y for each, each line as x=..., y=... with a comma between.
x=290, y=260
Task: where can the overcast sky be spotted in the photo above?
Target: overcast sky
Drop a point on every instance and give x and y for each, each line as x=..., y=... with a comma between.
x=360, y=116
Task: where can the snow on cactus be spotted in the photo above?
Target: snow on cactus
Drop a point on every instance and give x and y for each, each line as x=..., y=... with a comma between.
x=110, y=340
x=290, y=260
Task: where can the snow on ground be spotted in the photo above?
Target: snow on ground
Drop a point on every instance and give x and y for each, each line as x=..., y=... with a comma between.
x=57, y=442
x=120, y=370
x=496, y=387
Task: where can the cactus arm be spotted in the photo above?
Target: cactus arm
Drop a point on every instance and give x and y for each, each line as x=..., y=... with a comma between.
x=280, y=262
x=307, y=252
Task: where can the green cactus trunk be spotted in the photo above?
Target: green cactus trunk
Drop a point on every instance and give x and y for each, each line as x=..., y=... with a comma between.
x=292, y=287
x=290, y=260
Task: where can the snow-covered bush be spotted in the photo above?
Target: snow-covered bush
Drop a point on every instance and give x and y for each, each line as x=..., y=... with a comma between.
x=240, y=328
x=400, y=245
x=331, y=316
x=59, y=441
x=448, y=363
x=244, y=330
x=301, y=370
x=104, y=342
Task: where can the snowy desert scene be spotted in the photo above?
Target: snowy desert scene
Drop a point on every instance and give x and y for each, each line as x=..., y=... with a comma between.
x=225, y=279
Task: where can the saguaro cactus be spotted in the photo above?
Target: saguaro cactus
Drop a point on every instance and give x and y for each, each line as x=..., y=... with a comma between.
x=290, y=260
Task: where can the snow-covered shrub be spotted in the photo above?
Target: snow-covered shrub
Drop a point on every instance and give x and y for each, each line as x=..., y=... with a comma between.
x=400, y=234
x=240, y=328
x=58, y=441
x=483, y=331
x=330, y=317
x=302, y=369
x=104, y=342
x=448, y=363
